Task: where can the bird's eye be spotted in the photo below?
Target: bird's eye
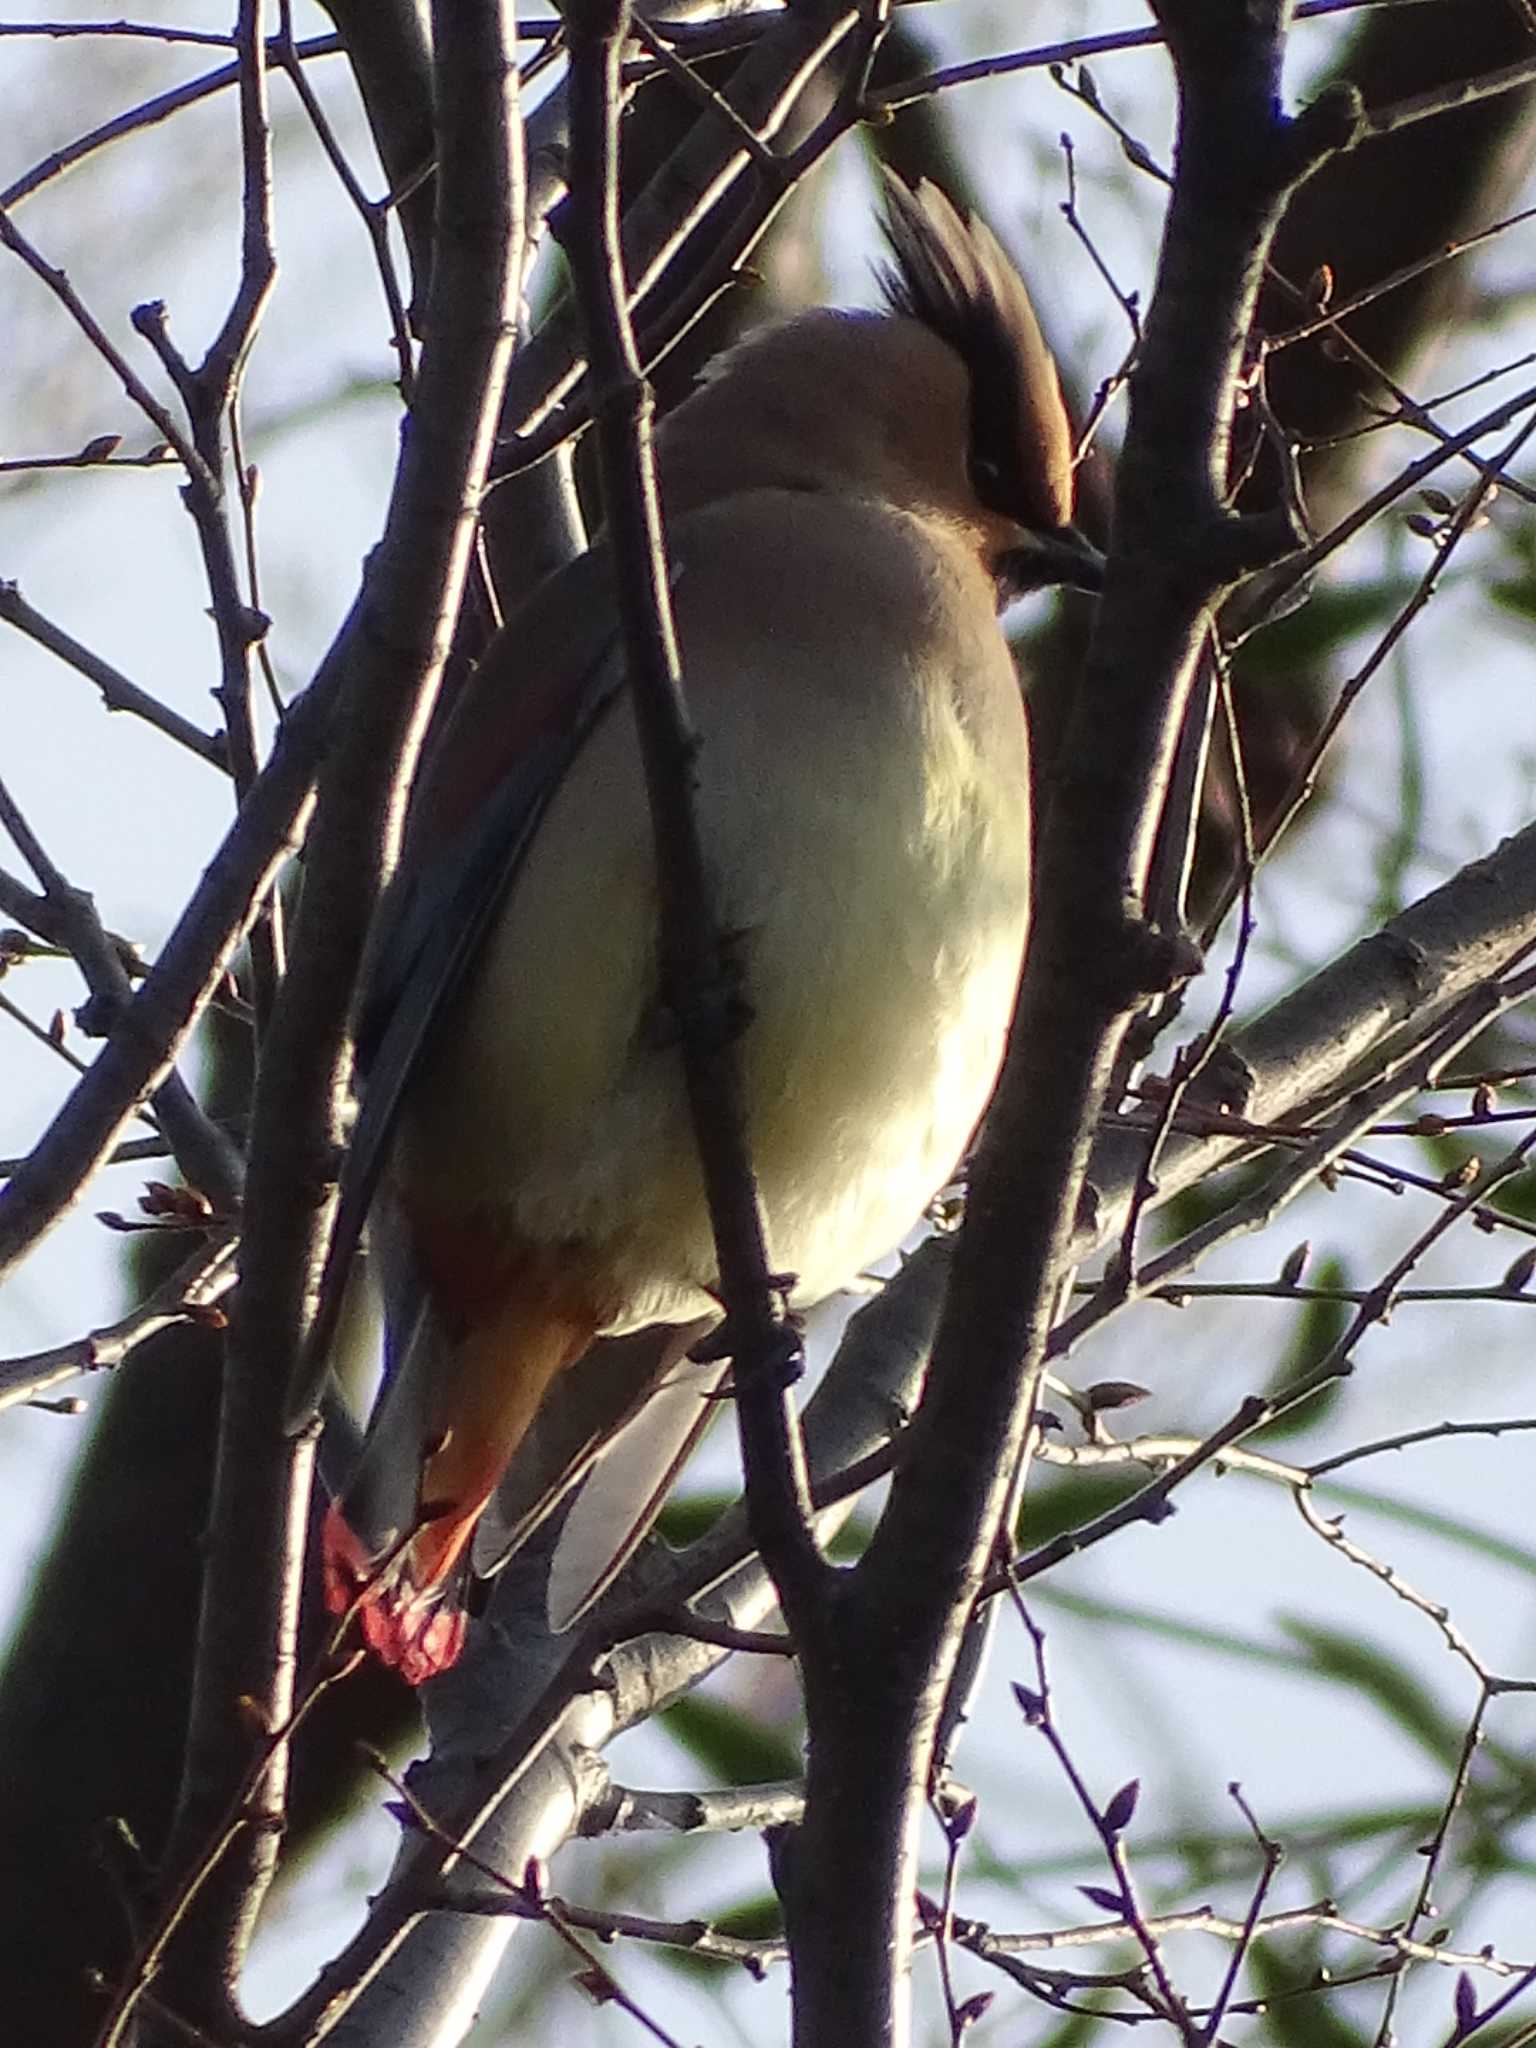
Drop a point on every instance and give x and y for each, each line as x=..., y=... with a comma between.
x=995, y=484
x=986, y=478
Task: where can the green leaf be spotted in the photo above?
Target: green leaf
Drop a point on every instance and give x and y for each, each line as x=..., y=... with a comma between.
x=1517, y=1197
x=1313, y=1335
x=1066, y=1500
x=1202, y=1199
x=1073, y=2033
x=737, y=1747
x=687, y=1517
x=1375, y=1676
x=1169, y=1627
x=1399, y=848
x=1515, y=594
x=1306, y=2019
x=1333, y=614
x=1412, y=1514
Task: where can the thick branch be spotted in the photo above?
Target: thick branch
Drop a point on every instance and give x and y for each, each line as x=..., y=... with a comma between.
x=395, y=646
x=1394, y=986
x=848, y=1874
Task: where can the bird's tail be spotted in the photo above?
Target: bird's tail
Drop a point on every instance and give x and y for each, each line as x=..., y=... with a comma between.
x=457, y=1407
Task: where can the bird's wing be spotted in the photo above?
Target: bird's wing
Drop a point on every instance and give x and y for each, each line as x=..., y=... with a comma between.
x=500, y=759
x=614, y=1430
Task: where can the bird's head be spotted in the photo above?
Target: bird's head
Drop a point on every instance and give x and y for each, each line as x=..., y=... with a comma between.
x=947, y=404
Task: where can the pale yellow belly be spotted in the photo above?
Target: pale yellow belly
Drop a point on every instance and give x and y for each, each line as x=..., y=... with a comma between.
x=877, y=872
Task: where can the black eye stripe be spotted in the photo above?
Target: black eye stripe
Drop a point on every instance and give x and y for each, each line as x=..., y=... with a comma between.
x=995, y=466
x=952, y=276
x=974, y=328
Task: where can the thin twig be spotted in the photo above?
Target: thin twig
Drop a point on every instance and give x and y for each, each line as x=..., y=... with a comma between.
x=164, y=423
x=188, y=1296
x=528, y=1900
x=1304, y=779
x=908, y=91
x=697, y=984
x=117, y=692
x=1152, y=1504
x=1109, y=1825
x=1406, y=1439
x=1272, y=1854
x=236, y=1819
x=288, y=52
x=1434, y=1850
x=147, y=115
x=203, y=1152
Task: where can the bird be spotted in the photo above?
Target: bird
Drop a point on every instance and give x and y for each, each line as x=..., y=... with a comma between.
x=850, y=498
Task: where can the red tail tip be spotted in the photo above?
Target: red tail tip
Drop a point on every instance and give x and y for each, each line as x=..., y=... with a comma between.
x=418, y=1630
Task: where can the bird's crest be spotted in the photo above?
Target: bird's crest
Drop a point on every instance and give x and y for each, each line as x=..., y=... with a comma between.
x=954, y=276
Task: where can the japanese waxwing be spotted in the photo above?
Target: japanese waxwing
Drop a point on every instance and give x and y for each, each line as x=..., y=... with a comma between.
x=850, y=498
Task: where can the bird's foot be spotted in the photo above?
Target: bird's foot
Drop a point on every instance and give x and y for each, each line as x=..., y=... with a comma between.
x=776, y=1349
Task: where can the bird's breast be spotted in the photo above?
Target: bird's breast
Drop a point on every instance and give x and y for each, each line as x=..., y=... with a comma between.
x=863, y=797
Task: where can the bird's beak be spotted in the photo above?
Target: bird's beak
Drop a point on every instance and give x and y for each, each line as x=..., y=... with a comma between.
x=1058, y=555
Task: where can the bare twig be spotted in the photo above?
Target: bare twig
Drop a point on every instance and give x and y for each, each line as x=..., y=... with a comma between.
x=1460, y=523
x=211, y=395
x=189, y=1296
x=288, y=52
x=1297, y=1167
x=690, y=1937
x=202, y=1150
x=1406, y=1439
x=699, y=186
x=162, y=420
x=529, y=1901
x=1272, y=1854
x=148, y=115
x=1109, y=1823
x=1079, y=48
x=696, y=981
x=152, y=1027
x=117, y=692
x=1152, y=1503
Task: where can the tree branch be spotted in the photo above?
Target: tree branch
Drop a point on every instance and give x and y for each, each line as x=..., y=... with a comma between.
x=390, y=661
x=152, y=1028
x=847, y=1875
x=117, y=692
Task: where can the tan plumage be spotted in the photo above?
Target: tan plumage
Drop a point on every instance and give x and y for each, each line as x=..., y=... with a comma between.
x=838, y=536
